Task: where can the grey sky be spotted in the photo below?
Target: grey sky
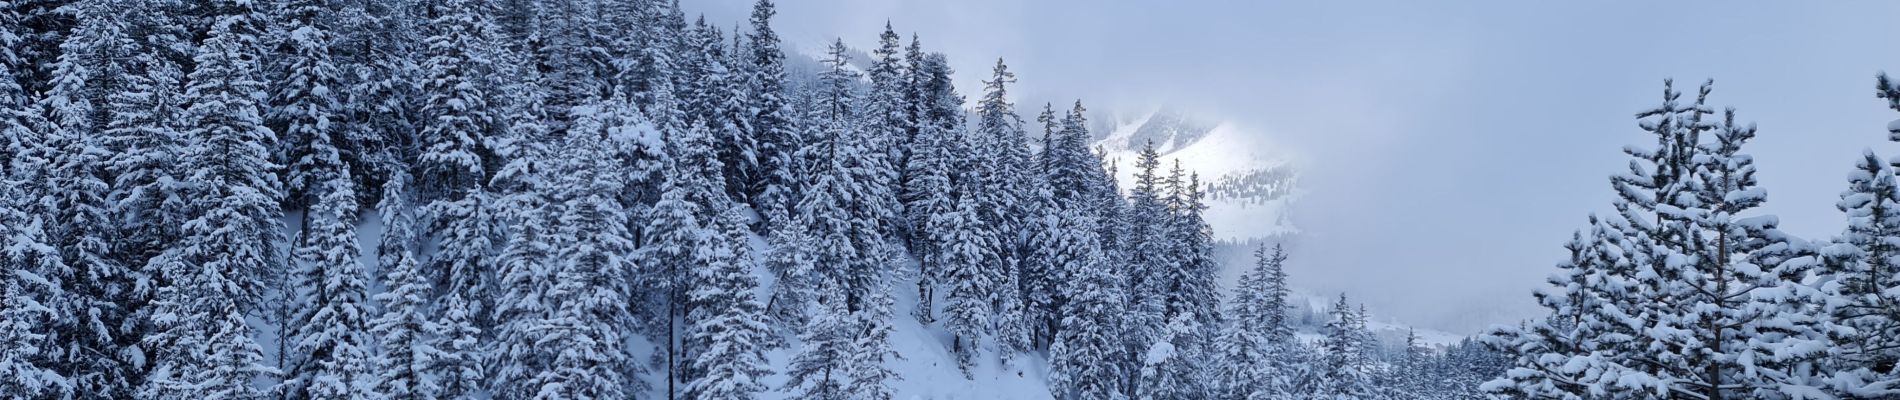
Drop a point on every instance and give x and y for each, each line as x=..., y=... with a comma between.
x=1449, y=148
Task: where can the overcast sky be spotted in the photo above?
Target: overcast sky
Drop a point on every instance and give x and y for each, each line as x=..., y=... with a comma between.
x=1449, y=149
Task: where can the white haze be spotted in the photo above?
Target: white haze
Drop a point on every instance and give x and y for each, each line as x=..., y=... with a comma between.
x=1449, y=149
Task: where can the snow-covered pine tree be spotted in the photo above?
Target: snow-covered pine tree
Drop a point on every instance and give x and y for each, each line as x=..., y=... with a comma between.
x=76, y=206
x=777, y=188
x=145, y=146
x=26, y=349
x=43, y=25
x=1250, y=349
x=967, y=255
x=677, y=237
x=331, y=336
x=718, y=91
x=885, y=122
x=1169, y=372
x=1191, y=283
x=1753, y=271
x=400, y=329
x=591, y=293
x=568, y=44
x=1344, y=372
x=871, y=376
x=453, y=174
x=1406, y=373
x=1067, y=163
x=929, y=169
x=820, y=369
x=377, y=42
x=1714, y=318
x=841, y=200
x=729, y=321
x=1005, y=199
x=1086, y=361
x=214, y=276
x=1579, y=325
x=17, y=121
x=304, y=109
x=526, y=265
x=1147, y=253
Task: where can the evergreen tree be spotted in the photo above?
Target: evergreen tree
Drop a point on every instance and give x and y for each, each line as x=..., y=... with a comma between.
x=401, y=327
x=146, y=146
x=823, y=363
x=75, y=201
x=304, y=106
x=775, y=191
x=1086, y=360
x=871, y=350
x=16, y=123
x=331, y=339
x=214, y=276
x=729, y=322
x=1147, y=248
x=26, y=318
x=1251, y=349
x=1168, y=372
x=453, y=173
x=966, y=259
x=1344, y=370
x=526, y=265
x=591, y=294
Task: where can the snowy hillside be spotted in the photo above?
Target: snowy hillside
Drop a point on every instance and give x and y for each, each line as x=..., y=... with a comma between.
x=1251, y=188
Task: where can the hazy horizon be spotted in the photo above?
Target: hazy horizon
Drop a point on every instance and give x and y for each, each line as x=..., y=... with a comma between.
x=1448, y=150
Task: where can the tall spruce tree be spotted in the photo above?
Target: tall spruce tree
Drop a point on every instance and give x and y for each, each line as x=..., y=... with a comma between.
x=776, y=189
x=1086, y=360
x=214, y=275
x=452, y=178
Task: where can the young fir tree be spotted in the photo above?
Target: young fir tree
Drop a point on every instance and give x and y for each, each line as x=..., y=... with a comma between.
x=1250, y=348
x=821, y=368
x=729, y=321
x=871, y=376
x=332, y=339
x=401, y=327
x=1578, y=326
x=1085, y=362
x=1344, y=372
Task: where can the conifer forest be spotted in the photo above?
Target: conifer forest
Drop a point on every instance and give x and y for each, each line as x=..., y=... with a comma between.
x=625, y=199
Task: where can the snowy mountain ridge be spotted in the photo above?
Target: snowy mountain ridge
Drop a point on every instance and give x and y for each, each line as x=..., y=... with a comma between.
x=1251, y=187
